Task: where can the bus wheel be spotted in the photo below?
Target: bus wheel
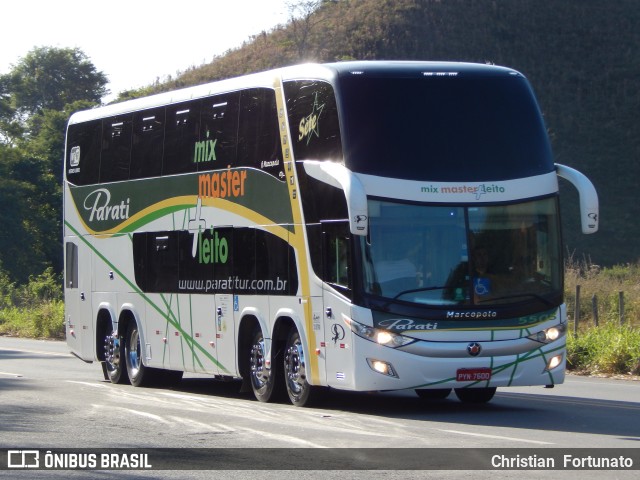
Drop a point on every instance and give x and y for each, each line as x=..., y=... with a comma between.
x=114, y=359
x=295, y=371
x=475, y=395
x=139, y=375
x=263, y=379
x=433, y=393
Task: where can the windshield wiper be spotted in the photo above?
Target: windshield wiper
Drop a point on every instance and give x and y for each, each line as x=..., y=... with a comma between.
x=415, y=290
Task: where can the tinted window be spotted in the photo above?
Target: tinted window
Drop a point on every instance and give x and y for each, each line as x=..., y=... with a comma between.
x=258, y=135
x=313, y=119
x=444, y=128
x=182, y=132
x=222, y=260
x=71, y=267
x=116, y=149
x=218, y=143
x=245, y=259
x=156, y=260
x=227, y=130
x=147, y=144
x=337, y=263
x=275, y=265
x=83, y=152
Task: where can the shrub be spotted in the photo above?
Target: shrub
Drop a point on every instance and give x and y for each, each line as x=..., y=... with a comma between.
x=34, y=310
x=608, y=349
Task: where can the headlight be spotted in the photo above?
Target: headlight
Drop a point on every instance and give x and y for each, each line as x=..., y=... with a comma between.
x=375, y=335
x=549, y=335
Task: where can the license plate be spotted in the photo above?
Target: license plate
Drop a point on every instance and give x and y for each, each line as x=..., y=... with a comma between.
x=473, y=374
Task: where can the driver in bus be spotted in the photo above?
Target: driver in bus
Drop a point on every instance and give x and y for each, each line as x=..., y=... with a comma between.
x=483, y=279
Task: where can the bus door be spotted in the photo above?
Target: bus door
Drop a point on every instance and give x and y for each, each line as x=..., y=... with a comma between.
x=336, y=298
x=77, y=299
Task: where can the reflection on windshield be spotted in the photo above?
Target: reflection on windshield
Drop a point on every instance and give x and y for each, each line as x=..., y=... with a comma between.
x=455, y=256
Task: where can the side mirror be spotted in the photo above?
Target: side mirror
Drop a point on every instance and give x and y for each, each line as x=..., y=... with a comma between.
x=588, y=197
x=341, y=177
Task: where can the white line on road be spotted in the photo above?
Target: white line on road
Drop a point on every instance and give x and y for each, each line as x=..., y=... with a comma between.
x=497, y=437
x=140, y=413
x=8, y=374
x=88, y=384
x=36, y=352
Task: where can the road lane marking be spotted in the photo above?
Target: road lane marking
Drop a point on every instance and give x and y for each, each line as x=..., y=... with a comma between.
x=36, y=352
x=195, y=425
x=276, y=437
x=87, y=384
x=497, y=437
x=9, y=374
x=140, y=413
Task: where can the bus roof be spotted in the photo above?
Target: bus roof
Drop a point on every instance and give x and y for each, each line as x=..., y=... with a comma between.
x=326, y=71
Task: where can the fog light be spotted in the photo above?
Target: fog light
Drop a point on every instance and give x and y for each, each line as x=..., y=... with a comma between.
x=554, y=362
x=382, y=367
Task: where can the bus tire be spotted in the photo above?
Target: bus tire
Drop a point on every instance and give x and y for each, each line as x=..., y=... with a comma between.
x=475, y=395
x=114, y=360
x=139, y=375
x=263, y=379
x=433, y=393
x=295, y=372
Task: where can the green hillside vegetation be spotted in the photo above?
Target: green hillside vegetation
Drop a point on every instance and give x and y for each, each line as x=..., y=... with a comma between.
x=582, y=58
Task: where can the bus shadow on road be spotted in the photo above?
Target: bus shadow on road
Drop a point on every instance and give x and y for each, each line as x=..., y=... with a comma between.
x=507, y=409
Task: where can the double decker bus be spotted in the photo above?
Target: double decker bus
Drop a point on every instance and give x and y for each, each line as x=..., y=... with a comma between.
x=364, y=226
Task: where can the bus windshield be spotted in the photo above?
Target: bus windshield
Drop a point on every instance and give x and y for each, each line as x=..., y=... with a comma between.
x=477, y=255
x=444, y=128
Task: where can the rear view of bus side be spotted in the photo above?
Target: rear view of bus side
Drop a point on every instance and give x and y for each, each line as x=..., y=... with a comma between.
x=364, y=226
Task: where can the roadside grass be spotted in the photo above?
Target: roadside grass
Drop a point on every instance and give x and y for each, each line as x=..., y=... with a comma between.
x=610, y=349
x=45, y=320
x=36, y=310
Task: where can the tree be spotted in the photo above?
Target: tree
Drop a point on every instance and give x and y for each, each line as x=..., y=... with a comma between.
x=9, y=129
x=50, y=78
x=302, y=21
x=36, y=99
x=20, y=249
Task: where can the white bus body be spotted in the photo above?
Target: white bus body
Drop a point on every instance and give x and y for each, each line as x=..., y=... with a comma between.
x=363, y=226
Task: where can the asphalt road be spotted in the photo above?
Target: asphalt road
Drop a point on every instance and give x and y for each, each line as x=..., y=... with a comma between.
x=51, y=400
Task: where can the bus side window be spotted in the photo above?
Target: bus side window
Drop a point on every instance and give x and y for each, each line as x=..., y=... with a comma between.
x=258, y=135
x=276, y=269
x=244, y=246
x=337, y=265
x=155, y=260
x=84, y=143
x=313, y=119
x=218, y=143
x=182, y=133
x=147, y=143
x=71, y=267
x=116, y=149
